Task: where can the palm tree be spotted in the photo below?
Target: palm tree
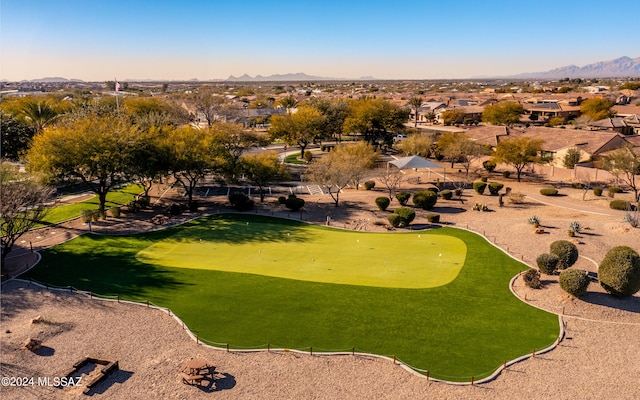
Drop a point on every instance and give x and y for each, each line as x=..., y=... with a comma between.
x=288, y=103
x=38, y=113
x=416, y=103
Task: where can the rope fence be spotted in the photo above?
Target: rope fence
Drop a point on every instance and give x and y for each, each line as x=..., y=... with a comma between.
x=482, y=377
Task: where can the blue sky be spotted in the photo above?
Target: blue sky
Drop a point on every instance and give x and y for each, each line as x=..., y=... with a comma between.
x=425, y=39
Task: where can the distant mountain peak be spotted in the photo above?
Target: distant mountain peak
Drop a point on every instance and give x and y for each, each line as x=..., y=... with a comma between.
x=298, y=76
x=622, y=67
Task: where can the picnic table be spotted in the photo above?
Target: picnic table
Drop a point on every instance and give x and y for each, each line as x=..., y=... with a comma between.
x=195, y=370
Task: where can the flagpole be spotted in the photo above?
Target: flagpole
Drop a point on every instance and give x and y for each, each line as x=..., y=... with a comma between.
x=116, y=89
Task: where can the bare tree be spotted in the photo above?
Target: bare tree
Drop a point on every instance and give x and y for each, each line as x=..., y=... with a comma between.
x=22, y=205
x=391, y=178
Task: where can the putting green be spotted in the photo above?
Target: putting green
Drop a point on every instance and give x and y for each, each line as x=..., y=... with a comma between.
x=315, y=254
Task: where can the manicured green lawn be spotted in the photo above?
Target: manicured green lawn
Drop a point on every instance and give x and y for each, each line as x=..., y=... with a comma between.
x=115, y=198
x=466, y=327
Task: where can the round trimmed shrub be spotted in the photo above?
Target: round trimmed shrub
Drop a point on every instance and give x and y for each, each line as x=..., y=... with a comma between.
x=574, y=281
x=308, y=156
x=615, y=189
x=394, y=220
x=479, y=187
x=531, y=279
x=597, y=191
x=433, y=218
x=489, y=165
x=547, y=263
x=425, y=199
x=239, y=201
x=619, y=205
x=506, y=174
x=495, y=187
x=382, y=203
x=294, y=203
x=368, y=185
x=401, y=217
x=566, y=252
x=549, y=192
x=403, y=197
x=446, y=194
x=619, y=271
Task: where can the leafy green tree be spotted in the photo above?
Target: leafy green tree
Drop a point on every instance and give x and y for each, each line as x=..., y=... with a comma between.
x=262, y=169
x=458, y=147
x=191, y=153
x=518, y=152
x=361, y=156
x=15, y=134
x=625, y=163
x=149, y=158
x=415, y=102
x=96, y=150
x=597, y=108
x=300, y=128
x=233, y=140
x=505, y=113
x=22, y=205
x=375, y=119
x=453, y=116
x=418, y=144
x=572, y=157
x=334, y=111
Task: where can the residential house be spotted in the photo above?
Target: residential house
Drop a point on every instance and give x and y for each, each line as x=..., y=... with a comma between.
x=616, y=124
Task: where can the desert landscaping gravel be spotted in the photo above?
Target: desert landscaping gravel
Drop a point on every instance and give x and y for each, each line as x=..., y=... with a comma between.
x=599, y=357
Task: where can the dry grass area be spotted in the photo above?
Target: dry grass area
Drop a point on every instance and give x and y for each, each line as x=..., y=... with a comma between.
x=597, y=359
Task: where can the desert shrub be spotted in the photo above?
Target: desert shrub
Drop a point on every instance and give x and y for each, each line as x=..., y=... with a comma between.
x=174, y=209
x=548, y=191
x=433, y=218
x=479, y=187
x=86, y=216
x=294, y=203
x=531, y=278
x=495, y=187
x=597, y=191
x=484, y=179
x=489, y=165
x=619, y=205
x=577, y=185
x=574, y=281
x=240, y=201
x=115, y=212
x=382, y=203
x=534, y=220
x=144, y=201
x=402, y=217
x=547, y=263
x=403, y=197
x=515, y=198
x=98, y=215
x=368, y=185
x=615, y=189
x=480, y=207
x=446, y=194
x=394, y=220
x=506, y=174
x=282, y=199
x=307, y=156
x=575, y=227
x=458, y=192
x=425, y=199
x=619, y=271
x=566, y=252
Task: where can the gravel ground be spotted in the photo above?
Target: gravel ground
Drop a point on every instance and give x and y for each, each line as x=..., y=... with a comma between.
x=597, y=359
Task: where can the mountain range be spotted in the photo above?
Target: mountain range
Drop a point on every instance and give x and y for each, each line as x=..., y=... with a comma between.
x=298, y=76
x=623, y=67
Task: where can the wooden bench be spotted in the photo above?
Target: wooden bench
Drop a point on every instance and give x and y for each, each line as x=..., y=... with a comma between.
x=191, y=379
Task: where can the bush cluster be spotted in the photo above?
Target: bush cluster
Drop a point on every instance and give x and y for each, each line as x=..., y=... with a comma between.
x=433, y=218
x=382, y=203
x=446, y=194
x=548, y=191
x=574, y=281
x=402, y=217
x=506, y=174
x=425, y=199
x=489, y=165
x=619, y=271
x=368, y=185
x=294, y=203
x=547, y=263
x=480, y=207
x=479, y=187
x=619, y=205
x=532, y=279
x=240, y=201
x=566, y=252
x=495, y=187
x=403, y=197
